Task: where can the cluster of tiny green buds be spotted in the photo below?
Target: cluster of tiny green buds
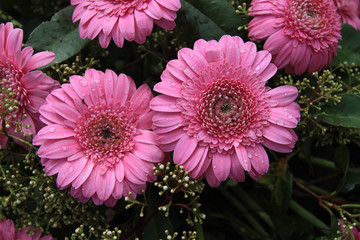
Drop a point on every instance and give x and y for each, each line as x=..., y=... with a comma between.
x=315, y=92
x=241, y=9
x=79, y=234
x=62, y=72
x=191, y=235
x=173, y=179
x=132, y=201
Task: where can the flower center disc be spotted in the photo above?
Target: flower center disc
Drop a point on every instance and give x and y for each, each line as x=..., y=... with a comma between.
x=106, y=133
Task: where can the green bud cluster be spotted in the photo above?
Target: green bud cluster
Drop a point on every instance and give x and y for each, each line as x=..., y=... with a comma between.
x=316, y=91
x=79, y=234
x=64, y=71
x=173, y=179
x=32, y=198
x=190, y=235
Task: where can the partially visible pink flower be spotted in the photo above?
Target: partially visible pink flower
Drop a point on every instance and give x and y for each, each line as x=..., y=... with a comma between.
x=347, y=230
x=132, y=20
x=23, y=90
x=7, y=232
x=302, y=35
x=98, y=137
x=349, y=11
x=216, y=113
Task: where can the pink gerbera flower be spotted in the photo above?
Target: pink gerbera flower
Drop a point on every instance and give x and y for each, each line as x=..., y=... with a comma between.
x=216, y=113
x=98, y=137
x=23, y=90
x=302, y=35
x=132, y=20
x=7, y=232
x=349, y=12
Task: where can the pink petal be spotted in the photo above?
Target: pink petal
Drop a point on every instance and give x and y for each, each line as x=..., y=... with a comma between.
x=69, y=171
x=259, y=158
x=242, y=155
x=283, y=95
x=203, y=162
x=65, y=111
x=14, y=41
x=172, y=89
x=193, y=59
x=166, y=24
x=144, y=23
x=125, y=88
x=127, y=26
x=148, y=152
x=83, y=176
x=173, y=5
x=146, y=136
x=105, y=184
x=140, y=101
x=211, y=178
x=118, y=190
x=145, y=121
x=176, y=69
x=53, y=131
x=52, y=166
x=119, y=171
x=237, y=173
x=281, y=117
x=153, y=10
x=184, y=149
x=278, y=134
x=221, y=164
x=163, y=103
x=170, y=137
x=59, y=149
x=167, y=119
x=40, y=59
x=248, y=54
x=89, y=186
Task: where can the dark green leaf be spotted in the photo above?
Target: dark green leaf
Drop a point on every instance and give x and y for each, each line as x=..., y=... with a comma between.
x=59, y=35
x=346, y=113
x=221, y=13
x=350, y=46
x=200, y=24
x=342, y=159
x=283, y=190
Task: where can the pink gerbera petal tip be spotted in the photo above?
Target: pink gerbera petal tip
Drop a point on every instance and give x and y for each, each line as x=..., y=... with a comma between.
x=302, y=35
x=23, y=89
x=7, y=232
x=349, y=11
x=216, y=113
x=98, y=137
x=131, y=20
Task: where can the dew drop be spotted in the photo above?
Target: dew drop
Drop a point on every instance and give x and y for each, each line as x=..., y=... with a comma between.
x=289, y=116
x=257, y=68
x=280, y=122
x=214, y=166
x=84, y=83
x=172, y=106
x=71, y=169
x=256, y=154
x=285, y=109
x=173, y=84
x=51, y=130
x=250, y=155
x=242, y=50
x=64, y=148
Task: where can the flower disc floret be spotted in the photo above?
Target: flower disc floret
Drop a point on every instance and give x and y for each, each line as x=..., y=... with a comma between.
x=302, y=35
x=216, y=113
x=132, y=20
x=98, y=138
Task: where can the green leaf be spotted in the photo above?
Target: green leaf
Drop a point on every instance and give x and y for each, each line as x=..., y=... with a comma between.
x=342, y=159
x=350, y=46
x=200, y=25
x=345, y=114
x=59, y=35
x=221, y=12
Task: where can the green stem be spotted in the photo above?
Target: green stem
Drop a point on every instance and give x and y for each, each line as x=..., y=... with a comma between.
x=200, y=232
x=294, y=206
x=241, y=194
x=244, y=211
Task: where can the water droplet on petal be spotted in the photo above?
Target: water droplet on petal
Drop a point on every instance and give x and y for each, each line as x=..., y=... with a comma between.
x=173, y=84
x=250, y=155
x=257, y=68
x=280, y=122
x=214, y=166
x=172, y=106
x=285, y=109
x=51, y=129
x=84, y=83
x=256, y=154
x=289, y=116
x=71, y=169
x=64, y=148
x=242, y=50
